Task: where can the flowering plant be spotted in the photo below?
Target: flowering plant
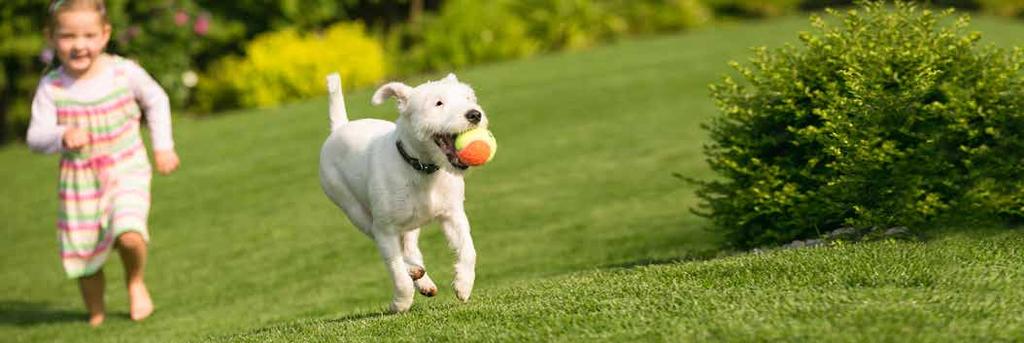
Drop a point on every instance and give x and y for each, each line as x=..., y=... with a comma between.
x=287, y=64
x=167, y=38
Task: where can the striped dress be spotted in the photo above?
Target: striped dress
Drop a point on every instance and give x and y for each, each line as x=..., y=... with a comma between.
x=103, y=187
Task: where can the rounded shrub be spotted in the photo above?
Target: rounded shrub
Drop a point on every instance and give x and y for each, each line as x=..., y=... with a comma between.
x=286, y=65
x=888, y=115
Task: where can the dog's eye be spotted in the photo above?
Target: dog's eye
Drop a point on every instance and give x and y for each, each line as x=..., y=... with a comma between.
x=439, y=103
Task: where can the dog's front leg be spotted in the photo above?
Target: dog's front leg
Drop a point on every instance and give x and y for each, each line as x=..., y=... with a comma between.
x=390, y=247
x=456, y=229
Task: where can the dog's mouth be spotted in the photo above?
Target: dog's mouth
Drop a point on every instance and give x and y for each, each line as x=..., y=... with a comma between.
x=446, y=141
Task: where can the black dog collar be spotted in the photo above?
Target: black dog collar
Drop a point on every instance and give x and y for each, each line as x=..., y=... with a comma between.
x=426, y=168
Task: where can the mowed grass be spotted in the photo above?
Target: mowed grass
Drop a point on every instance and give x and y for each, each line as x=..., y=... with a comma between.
x=569, y=220
x=961, y=287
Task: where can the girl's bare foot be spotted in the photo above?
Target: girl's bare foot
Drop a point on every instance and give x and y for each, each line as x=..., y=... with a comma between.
x=92, y=292
x=141, y=303
x=96, y=319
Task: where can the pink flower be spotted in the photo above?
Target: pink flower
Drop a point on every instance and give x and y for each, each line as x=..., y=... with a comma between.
x=202, y=25
x=46, y=56
x=134, y=31
x=180, y=18
x=129, y=34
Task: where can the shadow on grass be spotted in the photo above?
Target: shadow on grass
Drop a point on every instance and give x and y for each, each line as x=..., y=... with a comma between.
x=27, y=313
x=358, y=316
x=296, y=327
x=706, y=255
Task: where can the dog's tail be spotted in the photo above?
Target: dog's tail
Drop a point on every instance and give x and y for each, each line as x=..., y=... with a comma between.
x=338, y=115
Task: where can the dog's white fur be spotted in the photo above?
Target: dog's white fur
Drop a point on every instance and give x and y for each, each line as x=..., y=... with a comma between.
x=362, y=171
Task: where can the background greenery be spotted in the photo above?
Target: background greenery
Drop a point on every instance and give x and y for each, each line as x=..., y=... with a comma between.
x=175, y=40
x=573, y=221
x=886, y=117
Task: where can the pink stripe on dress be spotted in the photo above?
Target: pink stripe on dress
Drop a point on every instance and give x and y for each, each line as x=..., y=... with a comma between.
x=67, y=226
x=134, y=215
x=85, y=111
x=113, y=135
x=98, y=194
x=90, y=163
x=100, y=249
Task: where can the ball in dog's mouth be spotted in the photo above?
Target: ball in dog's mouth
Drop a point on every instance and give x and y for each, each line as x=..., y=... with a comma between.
x=446, y=141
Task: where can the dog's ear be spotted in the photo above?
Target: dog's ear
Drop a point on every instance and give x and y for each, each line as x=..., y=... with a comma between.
x=394, y=89
x=451, y=77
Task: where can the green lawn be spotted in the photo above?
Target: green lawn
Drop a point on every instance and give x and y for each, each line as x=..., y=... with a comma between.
x=570, y=221
x=958, y=288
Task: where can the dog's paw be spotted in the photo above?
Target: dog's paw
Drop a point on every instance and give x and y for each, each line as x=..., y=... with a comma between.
x=426, y=286
x=416, y=272
x=399, y=307
x=429, y=291
x=463, y=288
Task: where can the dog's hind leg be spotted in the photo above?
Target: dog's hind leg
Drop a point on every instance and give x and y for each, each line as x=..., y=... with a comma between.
x=414, y=259
x=390, y=245
x=359, y=217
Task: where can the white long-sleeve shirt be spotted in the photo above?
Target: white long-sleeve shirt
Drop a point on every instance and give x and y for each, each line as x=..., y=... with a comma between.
x=46, y=136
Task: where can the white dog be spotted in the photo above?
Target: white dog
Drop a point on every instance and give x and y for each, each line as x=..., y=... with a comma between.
x=393, y=178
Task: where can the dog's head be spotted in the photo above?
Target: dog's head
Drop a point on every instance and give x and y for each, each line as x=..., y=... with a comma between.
x=434, y=113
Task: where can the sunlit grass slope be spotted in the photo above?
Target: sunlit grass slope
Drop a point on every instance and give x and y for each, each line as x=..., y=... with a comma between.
x=245, y=245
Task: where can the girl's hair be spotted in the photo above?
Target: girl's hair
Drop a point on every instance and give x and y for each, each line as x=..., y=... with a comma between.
x=60, y=6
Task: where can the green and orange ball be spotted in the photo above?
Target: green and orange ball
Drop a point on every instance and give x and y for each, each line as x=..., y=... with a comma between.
x=476, y=147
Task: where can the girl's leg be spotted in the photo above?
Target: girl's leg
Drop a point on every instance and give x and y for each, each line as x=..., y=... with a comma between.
x=92, y=292
x=132, y=248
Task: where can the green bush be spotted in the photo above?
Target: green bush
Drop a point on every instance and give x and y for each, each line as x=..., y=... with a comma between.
x=650, y=16
x=888, y=117
x=287, y=65
x=757, y=8
x=467, y=32
x=1005, y=8
x=570, y=24
x=166, y=38
x=464, y=32
x=21, y=40
x=1008, y=8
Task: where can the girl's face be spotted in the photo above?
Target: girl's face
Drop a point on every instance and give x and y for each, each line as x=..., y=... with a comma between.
x=80, y=37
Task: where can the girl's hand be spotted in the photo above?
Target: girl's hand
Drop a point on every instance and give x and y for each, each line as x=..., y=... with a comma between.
x=75, y=138
x=166, y=161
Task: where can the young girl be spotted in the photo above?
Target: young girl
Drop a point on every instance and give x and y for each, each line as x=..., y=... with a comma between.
x=88, y=110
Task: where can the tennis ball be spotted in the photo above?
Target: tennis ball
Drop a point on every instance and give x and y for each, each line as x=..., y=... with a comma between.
x=475, y=147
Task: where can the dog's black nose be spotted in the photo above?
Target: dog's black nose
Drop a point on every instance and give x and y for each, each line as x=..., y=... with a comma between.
x=473, y=116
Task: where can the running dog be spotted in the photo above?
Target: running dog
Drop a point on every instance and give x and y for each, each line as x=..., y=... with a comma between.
x=391, y=178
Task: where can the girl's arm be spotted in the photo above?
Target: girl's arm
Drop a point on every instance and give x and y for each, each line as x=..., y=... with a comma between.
x=157, y=107
x=154, y=102
x=44, y=135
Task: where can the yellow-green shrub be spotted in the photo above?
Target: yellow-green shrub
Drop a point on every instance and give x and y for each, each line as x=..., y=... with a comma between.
x=286, y=65
x=1009, y=8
